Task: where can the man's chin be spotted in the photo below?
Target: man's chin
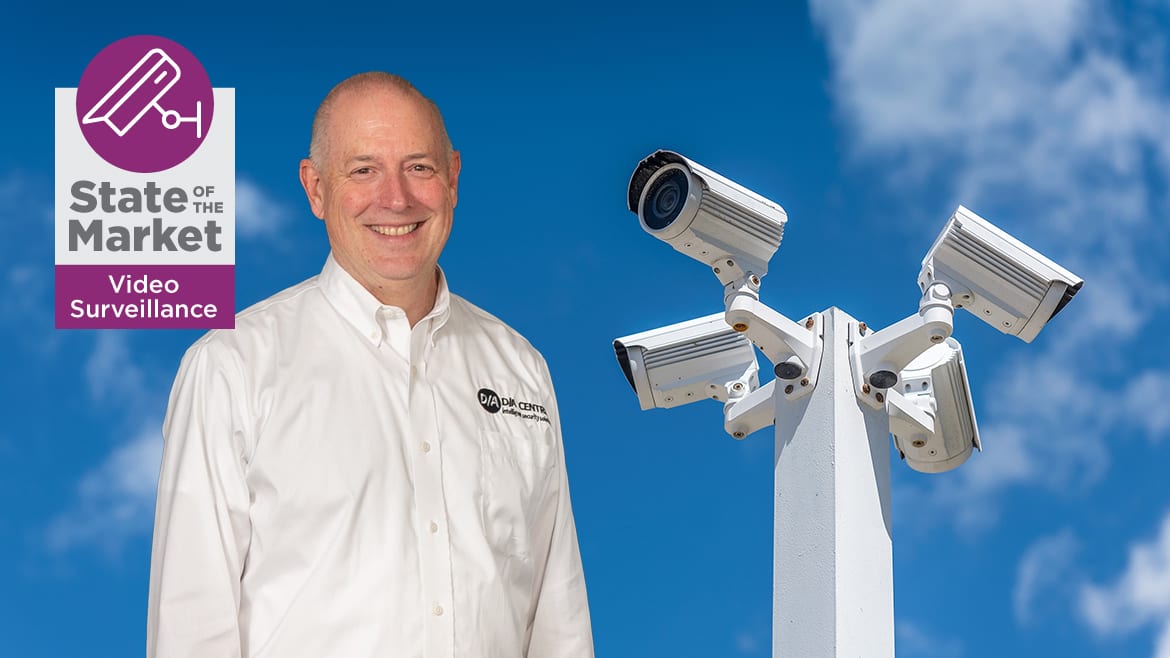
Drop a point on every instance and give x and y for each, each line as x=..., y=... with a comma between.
x=400, y=274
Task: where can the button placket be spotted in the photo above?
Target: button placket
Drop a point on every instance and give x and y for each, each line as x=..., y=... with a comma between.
x=434, y=550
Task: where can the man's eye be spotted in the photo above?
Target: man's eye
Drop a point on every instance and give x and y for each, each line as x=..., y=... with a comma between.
x=422, y=169
x=362, y=171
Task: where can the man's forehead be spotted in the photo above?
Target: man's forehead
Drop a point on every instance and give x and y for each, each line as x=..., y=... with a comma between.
x=380, y=104
x=369, y=126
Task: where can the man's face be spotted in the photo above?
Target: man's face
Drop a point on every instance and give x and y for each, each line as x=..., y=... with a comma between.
x=386, y=189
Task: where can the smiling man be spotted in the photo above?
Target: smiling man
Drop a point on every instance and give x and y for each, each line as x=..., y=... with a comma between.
x=368, y=465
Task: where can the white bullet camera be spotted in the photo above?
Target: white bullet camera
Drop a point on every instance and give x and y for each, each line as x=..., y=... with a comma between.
x=699, y=359
x=996, y=277
x=932, y=417
x=706, y=216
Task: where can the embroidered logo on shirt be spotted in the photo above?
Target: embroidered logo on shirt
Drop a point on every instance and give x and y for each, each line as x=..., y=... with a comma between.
x=510, y=406
x=489, y=400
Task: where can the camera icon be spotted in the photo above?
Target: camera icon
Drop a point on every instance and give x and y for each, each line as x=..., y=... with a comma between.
x=140, y=90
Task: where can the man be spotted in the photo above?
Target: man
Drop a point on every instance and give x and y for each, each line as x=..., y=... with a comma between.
x=367, y=465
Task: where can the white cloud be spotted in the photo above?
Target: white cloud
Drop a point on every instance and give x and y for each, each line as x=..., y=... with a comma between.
x=754, y=637
x=1047, y=573
x=28, y=294
x=1139, y=597
x=912, y=639
x=1145, y=403
x=969, y=80
x=111, y=374
x=1002, y=86
x=1034, y=115
x=114, y=501
x=1051, y=428
x=27, y=275
x=258, y=215
x=747, y=643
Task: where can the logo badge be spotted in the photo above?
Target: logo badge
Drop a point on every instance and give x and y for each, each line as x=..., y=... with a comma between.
x=489, y=400
x=506, y=405
x=145, y=192
x=144, y=104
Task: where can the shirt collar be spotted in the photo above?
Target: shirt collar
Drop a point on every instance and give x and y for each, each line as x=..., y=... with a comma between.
x=361, y=309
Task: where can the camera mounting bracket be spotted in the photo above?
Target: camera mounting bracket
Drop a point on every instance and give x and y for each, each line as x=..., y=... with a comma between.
x=878, y=358
x=794, y=349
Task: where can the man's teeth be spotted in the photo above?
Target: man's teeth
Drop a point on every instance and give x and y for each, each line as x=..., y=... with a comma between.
x=395, y=230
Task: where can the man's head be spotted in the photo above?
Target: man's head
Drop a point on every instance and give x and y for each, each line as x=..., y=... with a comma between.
x=382, y=174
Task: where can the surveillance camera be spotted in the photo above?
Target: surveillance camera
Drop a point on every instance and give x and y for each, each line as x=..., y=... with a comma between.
x=706, y=216
x=695, y=360
x=1001, y=280
x=932, y=417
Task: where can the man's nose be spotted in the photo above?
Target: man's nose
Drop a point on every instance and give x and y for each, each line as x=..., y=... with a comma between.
x=394, y=193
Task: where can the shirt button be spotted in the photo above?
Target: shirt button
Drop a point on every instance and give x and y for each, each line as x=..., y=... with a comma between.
x=414, y=370
x=434, y=527
x=438, y=610
x=426, y=446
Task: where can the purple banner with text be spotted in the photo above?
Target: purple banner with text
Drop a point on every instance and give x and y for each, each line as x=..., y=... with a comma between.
x=146, y=296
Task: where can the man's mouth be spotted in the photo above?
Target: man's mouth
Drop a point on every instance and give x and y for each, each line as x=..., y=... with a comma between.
x=395, y=230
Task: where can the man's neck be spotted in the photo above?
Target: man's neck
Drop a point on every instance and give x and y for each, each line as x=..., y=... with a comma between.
x=414, y=299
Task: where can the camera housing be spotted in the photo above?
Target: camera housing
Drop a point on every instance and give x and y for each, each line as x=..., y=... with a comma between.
x=706, y=216
x=681, y=363
x=932, y=417
x=999, y=279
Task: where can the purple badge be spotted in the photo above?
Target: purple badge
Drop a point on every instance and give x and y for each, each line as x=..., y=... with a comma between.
x=144, y=104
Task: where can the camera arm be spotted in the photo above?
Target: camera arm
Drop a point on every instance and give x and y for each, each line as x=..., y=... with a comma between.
x=794, y=349
x=878, y=358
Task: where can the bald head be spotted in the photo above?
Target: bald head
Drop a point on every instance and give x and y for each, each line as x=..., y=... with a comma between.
x=365, y=82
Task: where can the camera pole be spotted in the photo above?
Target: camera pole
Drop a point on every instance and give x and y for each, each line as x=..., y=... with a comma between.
x=833, y=584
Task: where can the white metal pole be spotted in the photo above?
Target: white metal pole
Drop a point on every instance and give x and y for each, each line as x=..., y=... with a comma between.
x=833, y=593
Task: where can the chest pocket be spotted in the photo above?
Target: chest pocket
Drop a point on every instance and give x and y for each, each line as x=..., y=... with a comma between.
x=517, y=472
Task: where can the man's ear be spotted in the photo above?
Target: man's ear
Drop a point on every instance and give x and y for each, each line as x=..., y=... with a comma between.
x=453, y=167
x=311, y=181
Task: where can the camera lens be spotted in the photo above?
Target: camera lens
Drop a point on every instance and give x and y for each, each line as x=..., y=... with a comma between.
x=665, y=199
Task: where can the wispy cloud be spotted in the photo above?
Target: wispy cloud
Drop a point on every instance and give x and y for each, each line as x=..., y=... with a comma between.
x=1039, y=117
x=913, y=639
x=747, y=644
x=115, y=500
x=258, y=214
x=1139, y=598
x=1047, y=575
x=1033, y=97
x=754, y=638
x=111, y=373
x=1145, y=403
x=26, y=275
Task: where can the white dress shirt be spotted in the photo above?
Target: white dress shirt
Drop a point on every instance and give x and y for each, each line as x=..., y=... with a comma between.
x=336, y=483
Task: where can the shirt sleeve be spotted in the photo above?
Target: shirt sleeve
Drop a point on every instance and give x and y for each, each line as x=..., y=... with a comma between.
x=561, y=626
x=201, y=528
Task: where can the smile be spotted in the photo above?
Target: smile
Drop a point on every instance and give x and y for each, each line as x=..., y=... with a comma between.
x=394, y=230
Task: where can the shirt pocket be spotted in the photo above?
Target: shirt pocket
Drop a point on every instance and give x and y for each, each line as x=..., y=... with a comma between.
x=516, y=473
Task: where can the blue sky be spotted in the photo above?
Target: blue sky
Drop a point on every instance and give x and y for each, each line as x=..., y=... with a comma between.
x=868, y=121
